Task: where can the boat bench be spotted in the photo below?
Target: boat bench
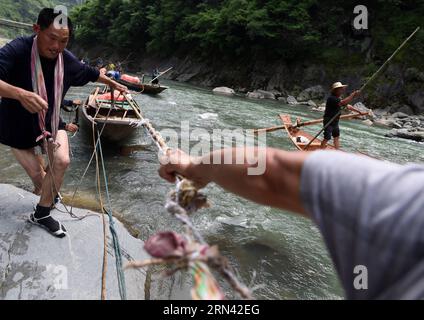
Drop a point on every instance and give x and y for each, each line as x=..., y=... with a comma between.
x=105, y=104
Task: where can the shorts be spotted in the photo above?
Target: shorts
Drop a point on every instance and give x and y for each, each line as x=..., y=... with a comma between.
x=332, y=130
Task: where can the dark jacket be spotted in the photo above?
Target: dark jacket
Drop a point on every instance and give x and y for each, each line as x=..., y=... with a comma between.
x=18, y=127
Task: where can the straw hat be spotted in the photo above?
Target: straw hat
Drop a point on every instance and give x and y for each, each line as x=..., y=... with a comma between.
x=337, y=85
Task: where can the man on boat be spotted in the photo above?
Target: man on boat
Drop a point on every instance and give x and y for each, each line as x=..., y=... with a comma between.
x=119, y=67
x=155, y=75
x=332, y=108
x=35, y=74
x=369, y=212
x=100, y=63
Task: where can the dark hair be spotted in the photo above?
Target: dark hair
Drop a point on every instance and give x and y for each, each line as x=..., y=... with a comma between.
x=46, y=18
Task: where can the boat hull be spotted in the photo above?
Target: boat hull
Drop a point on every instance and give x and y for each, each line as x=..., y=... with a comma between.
x=113, y=130
x=115, y=124
x=143, y=88
x=300, y=138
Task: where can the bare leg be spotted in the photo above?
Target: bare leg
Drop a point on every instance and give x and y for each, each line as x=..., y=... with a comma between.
x=324, y=144
x=337, y=143
x=59, y=161
x=33, y=165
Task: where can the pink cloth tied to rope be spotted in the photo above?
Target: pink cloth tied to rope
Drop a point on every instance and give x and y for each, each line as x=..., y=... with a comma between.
x=44, y=135
x=39, y=87
x=166, y=245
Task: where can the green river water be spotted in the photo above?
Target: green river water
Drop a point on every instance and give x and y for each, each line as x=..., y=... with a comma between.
x=281, y=255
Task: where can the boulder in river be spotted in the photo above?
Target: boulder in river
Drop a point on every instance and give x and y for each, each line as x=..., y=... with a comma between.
x=224, y=91
x=362, y=108
x=388, y=123
x=311, y=104
x=268, y=94
x=312, y=93
x=367, y=122
x=292, y=100
x=36, y=265
x=399, y=115
x=406, y=134
x=255, y=95
x=261, y=94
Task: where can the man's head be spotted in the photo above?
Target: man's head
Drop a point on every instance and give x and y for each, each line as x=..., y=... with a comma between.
x=338, y=89
x=54, y=31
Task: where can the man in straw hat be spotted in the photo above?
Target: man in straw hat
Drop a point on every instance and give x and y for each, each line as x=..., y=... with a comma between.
x=332, y=108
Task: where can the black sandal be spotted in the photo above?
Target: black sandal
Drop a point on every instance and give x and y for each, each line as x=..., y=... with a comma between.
x=50, y=224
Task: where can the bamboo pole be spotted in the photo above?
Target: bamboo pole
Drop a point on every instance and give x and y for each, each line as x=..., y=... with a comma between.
x=308, y=123
x=133, y=106
x=388, y=60
x=344, y=117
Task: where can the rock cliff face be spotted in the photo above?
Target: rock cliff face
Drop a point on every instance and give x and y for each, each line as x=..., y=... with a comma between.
x=399, y=87
x=36, y=265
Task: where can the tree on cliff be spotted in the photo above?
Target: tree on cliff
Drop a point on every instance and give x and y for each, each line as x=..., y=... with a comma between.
x=248, y=29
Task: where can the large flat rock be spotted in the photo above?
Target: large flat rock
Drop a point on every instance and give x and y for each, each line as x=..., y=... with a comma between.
x=36, y=265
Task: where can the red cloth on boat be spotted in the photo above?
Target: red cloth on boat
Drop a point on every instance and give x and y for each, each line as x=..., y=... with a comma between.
x=108, y=96
x=130, y=79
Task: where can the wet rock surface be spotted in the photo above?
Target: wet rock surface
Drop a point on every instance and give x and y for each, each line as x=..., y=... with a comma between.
x=36, y=265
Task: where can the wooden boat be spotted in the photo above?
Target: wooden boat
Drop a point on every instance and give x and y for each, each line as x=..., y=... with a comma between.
x=120, y=120
x=299, y=137
x=143, y=87
x=302, y=139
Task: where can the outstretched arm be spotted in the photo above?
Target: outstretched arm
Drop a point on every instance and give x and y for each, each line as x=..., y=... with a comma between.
x=350, y=98
x=278, y=186
x=111, y=83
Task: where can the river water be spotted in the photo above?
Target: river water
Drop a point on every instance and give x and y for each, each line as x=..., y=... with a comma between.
x=281, y=255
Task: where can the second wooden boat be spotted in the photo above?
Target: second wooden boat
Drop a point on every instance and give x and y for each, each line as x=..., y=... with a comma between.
x=143, y=87
x=300, y=138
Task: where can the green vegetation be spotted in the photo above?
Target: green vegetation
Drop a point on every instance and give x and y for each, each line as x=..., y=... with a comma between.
x=26, y=11
x=291, y=30
x=247, y=30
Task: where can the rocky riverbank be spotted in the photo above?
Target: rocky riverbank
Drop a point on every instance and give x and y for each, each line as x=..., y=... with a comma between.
x=396, y=98
x=36, y=265
x=403, y=125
